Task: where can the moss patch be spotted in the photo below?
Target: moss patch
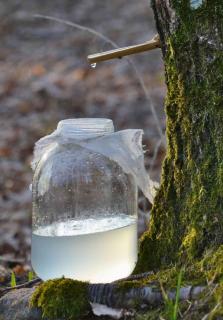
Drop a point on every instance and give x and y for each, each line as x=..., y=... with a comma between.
x=61, y=298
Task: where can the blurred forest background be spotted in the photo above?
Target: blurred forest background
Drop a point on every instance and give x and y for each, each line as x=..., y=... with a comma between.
x=45, y=77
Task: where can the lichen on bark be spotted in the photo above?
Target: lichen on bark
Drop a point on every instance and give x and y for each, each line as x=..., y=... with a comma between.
x=187, y=216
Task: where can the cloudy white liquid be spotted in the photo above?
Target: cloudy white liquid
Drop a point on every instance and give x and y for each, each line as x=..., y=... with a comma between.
x=95, y=250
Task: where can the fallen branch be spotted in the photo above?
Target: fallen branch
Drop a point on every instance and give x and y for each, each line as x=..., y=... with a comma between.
x=113, y=296
x=29, y=284
x=112, y=299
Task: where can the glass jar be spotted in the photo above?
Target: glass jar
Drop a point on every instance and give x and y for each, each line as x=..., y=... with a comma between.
x=84, y=208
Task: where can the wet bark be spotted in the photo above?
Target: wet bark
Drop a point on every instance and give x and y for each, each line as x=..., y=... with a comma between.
x=187, y=216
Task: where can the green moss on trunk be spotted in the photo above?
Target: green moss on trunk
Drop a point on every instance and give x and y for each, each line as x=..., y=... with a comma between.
x=187, y=216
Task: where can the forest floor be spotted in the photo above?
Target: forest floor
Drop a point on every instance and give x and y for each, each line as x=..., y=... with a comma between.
x=45, y=77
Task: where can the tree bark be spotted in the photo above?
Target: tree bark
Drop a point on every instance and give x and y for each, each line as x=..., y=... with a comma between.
x=187, y=216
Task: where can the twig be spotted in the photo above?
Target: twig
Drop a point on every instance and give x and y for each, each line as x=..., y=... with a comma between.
x=136, y=276
x=188, y=308
x=148, y=97
x=78, y=26
x=208, y=315
x=155, y=153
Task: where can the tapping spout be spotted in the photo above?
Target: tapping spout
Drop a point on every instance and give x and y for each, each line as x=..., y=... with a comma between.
x=121, y=52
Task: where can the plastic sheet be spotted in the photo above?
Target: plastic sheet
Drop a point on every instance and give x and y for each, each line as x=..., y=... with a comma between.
x=124, y=147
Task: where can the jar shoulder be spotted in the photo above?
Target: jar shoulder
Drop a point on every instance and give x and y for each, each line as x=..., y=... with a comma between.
x=75, y=161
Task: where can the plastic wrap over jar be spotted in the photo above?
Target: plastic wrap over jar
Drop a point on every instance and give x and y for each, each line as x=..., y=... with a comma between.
x=124, y=147
x=85, y=201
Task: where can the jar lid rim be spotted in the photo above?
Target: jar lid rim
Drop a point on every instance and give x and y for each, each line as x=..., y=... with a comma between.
x=86, y=126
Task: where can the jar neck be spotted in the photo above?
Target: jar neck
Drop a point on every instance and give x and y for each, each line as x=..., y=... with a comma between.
x=85, y=127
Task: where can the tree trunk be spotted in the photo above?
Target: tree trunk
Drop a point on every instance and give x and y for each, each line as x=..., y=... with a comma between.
x=187, y=216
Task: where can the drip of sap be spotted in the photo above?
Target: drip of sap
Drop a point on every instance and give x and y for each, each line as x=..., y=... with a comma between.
x=94, y=250
x=93, y=65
